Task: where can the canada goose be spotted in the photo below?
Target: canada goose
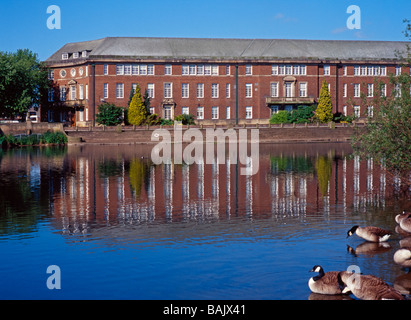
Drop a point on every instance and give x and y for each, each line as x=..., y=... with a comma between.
x=403, y=257
x=367, y=287
x=405, y=224
x=402, y=216
x=324, y=283
x=372, y=234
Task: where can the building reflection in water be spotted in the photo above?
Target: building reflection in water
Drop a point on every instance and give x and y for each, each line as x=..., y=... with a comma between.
x=293, y=180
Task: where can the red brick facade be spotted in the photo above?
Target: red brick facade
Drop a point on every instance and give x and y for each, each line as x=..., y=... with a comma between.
x=263, y=86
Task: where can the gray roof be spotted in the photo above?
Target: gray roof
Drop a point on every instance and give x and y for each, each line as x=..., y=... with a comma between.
x=223, y=49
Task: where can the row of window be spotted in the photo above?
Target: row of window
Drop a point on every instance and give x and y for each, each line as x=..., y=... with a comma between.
x=215, y=112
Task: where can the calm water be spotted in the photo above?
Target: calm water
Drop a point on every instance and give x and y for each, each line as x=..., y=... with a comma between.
x=119, y=227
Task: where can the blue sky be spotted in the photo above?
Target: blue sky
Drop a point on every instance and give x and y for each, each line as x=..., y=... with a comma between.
x=23, y=23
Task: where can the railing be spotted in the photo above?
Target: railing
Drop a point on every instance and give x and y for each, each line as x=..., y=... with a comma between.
x=290, y=100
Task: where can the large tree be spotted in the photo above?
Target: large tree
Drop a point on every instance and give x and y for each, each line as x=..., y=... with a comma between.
x=324, y=111
x=137, y=112
x=387, y=136
x=23, y=82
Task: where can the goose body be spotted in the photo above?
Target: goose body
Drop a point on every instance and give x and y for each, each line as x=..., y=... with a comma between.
x=324, y=283
x=405, y=224
x=372, y=234
x=403, y=257
x=367, y=287
x=402, y=216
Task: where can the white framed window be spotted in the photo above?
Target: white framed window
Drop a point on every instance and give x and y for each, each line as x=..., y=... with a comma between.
x=281, y=69
x=274, y=109
x=143, y=69
x=344, y=90
x=135, y=69
x=383, y=70
x=167, y=112
x=228, y=112
x=184, y=90
x=81, y=115
x=214, y=70
x=296, y=69
x=84, y=54
x=370, y=71
x=184, y=70
x=200, y=113
x=62, y=93
x=344, y=70
x=120, y=69
x=192, y=69
x=75, y=55
x=249, y=112
x=363, y=70
x=168, y=70
x=51, y=74
x=370, y=111
x=168, y=90
x=274, y=69
x=345, y=110
x=397, y=70
x=397, y=90
x=152, y=110
x=106, y=69
x=214, y=90
x=73, y=93
x=200, y=90
x=326, y=69
x=119, y=90
x=357, y=111
x=383, y=90
x=356, y=70
x=288, y=69
x=207, y=70
x=150, y=90
x=87, y=91
x=377, y=70
x=64, y=56
x=357, y=90
x=370, y=90
x=303, y=70
x=227, y=90
x=200, y=69
x=248, y=69
x=288, y=88
x=214, y=113
x=303, y=89
x=227, y=70
x=127, y=69
x=248, y=90
x=274, y=89
x=185, y=110
x=80, y=92
x=150, y=69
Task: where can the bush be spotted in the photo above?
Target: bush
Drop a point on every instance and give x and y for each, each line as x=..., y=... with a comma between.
x=280, y=117
x=153, y=120
x=109, y=114
x=53, y=138
x=185, y=119
x=303, y=114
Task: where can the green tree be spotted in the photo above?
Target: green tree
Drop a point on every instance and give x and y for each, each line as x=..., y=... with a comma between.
x=109, y=114
x=303, y=114
x=324, y=111
x=146, y=101
x=280, y=117
x=137, y=112
x=23, y=82
x=387, y=135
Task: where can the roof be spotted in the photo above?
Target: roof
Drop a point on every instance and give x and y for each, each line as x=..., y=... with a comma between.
x=223, y=49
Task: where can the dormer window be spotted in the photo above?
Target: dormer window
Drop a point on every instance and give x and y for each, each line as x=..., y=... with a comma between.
x=84, y=54
x=64, y=56
x=75, y=55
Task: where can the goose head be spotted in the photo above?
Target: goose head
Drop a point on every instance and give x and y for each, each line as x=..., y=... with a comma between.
x=352, y=231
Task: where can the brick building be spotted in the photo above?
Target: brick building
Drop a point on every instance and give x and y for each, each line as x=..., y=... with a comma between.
x=217, y=80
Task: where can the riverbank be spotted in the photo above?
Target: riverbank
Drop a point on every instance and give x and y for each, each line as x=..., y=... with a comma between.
x=278, y=134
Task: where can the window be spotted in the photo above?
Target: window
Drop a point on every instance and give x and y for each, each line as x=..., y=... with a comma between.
x=274, y=109
x=64, y=56
x=75, y=55
x=51, y=95
x=227, y=90
x=288, y=69
x=370, y=90
x=120, y=69
x=150, y=69
x=168, y=90
x=207, y=70
x=184, y=90
x=120, y=90
x=214, y=70
x=84, y=54
x=357, y=70
x=377, y=70
x=274, y=70
x=274, y=89
x=248, y=90
x=184, y=70
x=127, y=69
x=200, y=113
x=397, y=70
x=152, y=110
x=150, y=90
x=356, y=90
x=288, y=89
x=303, y=70
x=344, y=70
x=357, y=110
x=62, y=93
x=80, y=92
x=383, y=90
x=370, y=111
x=248, y=69
x=214, y=90
x=228, y=112
x=72, y=92
x=345, y=110
x=344, y=90
x=143, y=69
x=326, y=70
x=303, y=89
x=168, y=69
x=227, y=70
x=167, y=112
x=370, y=71
x=248, y=112
x=51, y=74
x=200, y=69
x=192, y=69
x=281, y=70
x=296, y=70
x=87, y=91
x=185, y=110
x=397, y=90
x=214, y=113
x=135, y=69
x=383, y=70
x=200, y=90
x=363, y=70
